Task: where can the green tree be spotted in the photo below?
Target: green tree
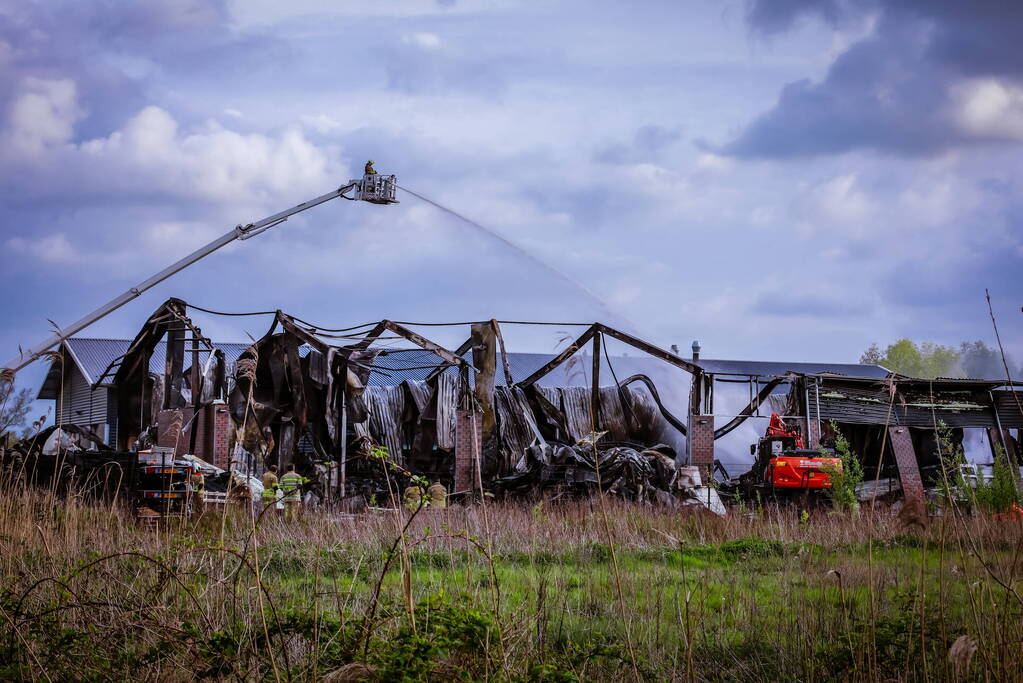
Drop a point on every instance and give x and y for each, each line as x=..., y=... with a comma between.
x=906, y=357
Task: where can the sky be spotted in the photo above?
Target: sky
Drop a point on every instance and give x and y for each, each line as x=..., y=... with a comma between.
x=782, y=180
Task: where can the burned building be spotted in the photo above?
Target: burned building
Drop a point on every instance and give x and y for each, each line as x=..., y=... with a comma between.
x=476, y=415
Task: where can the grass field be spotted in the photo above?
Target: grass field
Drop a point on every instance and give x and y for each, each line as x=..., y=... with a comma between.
x=553, y=592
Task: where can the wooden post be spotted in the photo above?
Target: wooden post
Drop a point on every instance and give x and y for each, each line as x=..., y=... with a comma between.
x=484, y=357
x=595, y=392
x=344, y=430
x=508, y=379
x=173, y=367
x=195, y=381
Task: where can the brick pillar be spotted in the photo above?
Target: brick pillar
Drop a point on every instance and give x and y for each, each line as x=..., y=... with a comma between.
x=465, y=451
x=219, y=435
x=701, y=444
x=905, y=458
x=212, y=436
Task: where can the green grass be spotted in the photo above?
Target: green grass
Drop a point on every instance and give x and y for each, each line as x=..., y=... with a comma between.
x=767, y=597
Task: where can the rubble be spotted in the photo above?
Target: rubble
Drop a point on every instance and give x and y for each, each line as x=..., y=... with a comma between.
x=314, y=396
x=560, y=470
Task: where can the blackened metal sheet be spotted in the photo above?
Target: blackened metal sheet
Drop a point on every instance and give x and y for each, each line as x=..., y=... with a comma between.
x=420, y=392
x=318, y=370
x=575, y=403
x=552, y=394
x=516, y=425
x=386, y=407
x=613, y=419
x=1008, y=409
x=447, y=404
x=918, y=406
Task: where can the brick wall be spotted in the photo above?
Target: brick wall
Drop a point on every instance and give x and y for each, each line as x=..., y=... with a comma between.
x=905, y=458
x=211, y=443
x=465, y=451
x=701, y=443
x=220, y=438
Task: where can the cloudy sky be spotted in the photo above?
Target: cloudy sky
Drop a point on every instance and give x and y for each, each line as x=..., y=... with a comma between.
x=779, y=179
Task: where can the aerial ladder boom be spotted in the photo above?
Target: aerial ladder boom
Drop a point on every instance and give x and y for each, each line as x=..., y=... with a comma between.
x=375, y=188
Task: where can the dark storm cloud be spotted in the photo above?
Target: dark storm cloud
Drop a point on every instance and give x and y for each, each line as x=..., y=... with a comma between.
x=894, y=91
x=776, y=16
x=786, y=304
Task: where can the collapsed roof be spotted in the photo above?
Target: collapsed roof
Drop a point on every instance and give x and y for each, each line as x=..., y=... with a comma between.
x=323, y=398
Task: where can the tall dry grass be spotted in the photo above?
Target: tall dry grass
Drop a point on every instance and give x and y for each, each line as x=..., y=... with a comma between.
x=88, y=594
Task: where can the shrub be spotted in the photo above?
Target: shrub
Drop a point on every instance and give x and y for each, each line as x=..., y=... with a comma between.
x=997, y=495
x=1001, y=492
x=847, y=477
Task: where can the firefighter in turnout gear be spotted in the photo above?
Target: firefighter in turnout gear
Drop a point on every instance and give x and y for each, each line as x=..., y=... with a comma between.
x=270, y=488
x=291, y=483
x=369, y=170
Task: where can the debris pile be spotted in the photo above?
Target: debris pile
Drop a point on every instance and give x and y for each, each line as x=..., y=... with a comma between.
x=578, y=471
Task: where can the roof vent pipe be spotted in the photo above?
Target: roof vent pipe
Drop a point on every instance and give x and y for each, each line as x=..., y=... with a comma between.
x=696, y=350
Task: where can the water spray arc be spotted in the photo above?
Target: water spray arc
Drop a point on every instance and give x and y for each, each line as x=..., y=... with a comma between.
x=529, y=256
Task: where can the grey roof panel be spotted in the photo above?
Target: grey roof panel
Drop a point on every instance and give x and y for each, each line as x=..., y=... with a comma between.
x=778, y=368
x=393, y=366
x=95, y=355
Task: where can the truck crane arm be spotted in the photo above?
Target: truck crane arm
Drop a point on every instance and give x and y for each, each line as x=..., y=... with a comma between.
x=375, y=188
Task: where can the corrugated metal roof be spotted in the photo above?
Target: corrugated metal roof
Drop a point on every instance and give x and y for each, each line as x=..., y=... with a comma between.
x=399, y=365
x=394, y=366
x=778, y=368
x=94, y=355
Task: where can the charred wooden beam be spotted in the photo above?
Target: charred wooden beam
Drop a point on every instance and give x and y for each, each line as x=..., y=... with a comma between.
x=484, y=357
x=650, y=349
x=424, y=343
x=508, y=379
x=460, y=351
x=695, y=370
x=289, y=326
x=195, y=382
x=561, y=357
x=595, y=391
x=173, y=366
x=371, y=336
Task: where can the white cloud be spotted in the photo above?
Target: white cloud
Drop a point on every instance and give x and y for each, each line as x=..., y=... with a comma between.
x=151, y=153
x=321, y=123
x=426, y=41
x=991, y=108
x=714, y=163
x=837, y=202
x=42, y=115
x=52, y=249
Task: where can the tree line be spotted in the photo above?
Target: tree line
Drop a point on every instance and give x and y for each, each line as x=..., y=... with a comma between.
x=926, y=360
